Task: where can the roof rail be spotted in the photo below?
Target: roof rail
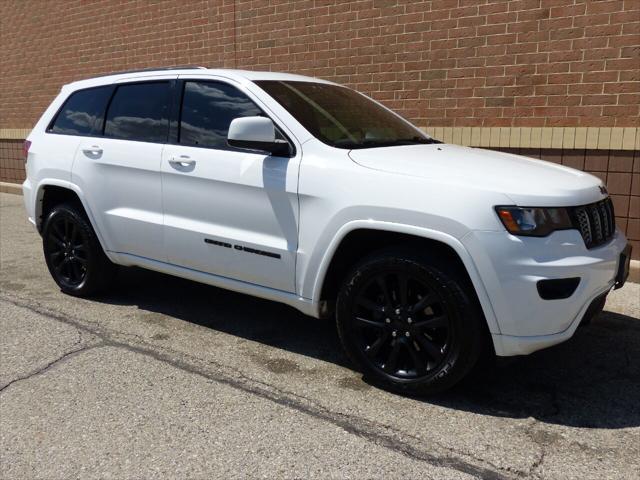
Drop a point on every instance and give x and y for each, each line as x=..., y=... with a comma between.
x=155, y=69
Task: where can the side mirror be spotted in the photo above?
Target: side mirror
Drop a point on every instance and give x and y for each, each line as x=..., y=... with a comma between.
x=256, y=133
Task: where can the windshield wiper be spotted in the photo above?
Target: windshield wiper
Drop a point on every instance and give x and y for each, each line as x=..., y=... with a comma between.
x=386, y=142
x=417, y=140
x=394, y=142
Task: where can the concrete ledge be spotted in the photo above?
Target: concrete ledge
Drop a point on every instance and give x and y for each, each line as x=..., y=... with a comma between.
x=14, y=188
x=634, y=271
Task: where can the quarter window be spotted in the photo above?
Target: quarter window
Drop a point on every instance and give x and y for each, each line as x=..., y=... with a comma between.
x=83, y=112
x=139, y=111
x=207, y=110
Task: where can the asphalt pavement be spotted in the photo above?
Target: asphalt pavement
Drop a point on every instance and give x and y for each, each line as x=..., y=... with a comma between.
x=166, y=378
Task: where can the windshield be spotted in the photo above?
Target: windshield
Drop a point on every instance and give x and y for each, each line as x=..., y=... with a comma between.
x=342, y=117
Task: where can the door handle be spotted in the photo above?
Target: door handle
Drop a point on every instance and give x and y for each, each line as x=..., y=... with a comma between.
x=94, y=151
x=181, y=163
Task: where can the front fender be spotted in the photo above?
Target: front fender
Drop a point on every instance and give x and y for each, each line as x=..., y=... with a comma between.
x=317, y=280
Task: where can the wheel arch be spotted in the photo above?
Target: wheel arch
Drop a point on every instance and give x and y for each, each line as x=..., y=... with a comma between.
x=51, y=192
x=346, y=249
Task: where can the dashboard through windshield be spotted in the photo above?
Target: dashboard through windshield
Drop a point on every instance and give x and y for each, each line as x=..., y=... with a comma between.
x=341, y=117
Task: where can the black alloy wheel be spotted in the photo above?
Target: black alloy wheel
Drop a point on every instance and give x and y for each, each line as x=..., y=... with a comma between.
x=401, y=325
x=67, y=251
x=410, y=321
x=73, y=253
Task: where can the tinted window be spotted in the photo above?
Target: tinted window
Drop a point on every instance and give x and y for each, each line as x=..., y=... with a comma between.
x=207, y=111
x=82, y=112
x=342, y=117
x=139, y=112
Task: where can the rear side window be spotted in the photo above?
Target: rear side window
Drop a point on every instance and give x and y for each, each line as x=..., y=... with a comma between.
x=83, y=112
x=207, y=111
x=139, y=111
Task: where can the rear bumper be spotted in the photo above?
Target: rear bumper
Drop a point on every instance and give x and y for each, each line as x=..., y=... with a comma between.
x=29, y=205
x=511, y=267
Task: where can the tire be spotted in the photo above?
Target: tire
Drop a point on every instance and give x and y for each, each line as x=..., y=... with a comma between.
x=73, y=253
x=419, y=342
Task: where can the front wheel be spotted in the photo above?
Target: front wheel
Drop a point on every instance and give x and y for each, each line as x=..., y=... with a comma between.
x=409, y=323
x=73, y=253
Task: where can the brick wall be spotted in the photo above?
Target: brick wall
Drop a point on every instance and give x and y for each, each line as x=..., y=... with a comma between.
x=461, y=62
x=11, y=161
x=440, y=63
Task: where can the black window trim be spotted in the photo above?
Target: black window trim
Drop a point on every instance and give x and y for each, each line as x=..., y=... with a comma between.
x=176, y=96
x=178, y=101
x=170, y=81
x=94, y=131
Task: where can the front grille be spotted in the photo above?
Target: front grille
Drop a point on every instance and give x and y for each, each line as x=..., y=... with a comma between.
x=596, y=222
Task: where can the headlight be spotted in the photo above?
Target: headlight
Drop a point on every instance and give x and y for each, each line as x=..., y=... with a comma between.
x=534, y=222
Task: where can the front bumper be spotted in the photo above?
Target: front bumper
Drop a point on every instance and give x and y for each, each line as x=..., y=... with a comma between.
x=511, y=267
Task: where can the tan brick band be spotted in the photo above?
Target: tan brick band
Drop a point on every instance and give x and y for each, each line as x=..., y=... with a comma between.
x=593, y=138
x=14, y=133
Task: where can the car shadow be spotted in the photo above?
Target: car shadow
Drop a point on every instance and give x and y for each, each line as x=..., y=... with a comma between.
x=274, y=324
x=590, y=381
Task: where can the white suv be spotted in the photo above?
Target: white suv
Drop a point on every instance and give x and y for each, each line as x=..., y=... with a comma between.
x=305, y=192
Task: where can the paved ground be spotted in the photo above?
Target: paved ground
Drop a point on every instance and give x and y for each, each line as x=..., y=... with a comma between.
x=164, y=377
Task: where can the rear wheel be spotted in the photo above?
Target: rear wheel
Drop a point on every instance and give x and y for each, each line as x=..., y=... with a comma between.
x=409, y=322
x=73, y=253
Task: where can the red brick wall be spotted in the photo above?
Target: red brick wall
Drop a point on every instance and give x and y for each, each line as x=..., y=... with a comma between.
x=461, y=62
x=47, y=43
x=11, y=161
x=440, y=62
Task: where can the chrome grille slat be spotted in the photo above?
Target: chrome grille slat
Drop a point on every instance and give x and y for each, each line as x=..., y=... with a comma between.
x=596, y=222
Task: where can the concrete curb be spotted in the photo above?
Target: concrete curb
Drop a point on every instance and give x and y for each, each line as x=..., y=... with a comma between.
x=634, y=271
x=14, y=188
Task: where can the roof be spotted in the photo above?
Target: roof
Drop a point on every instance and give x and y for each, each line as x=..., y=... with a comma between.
x=240, y=76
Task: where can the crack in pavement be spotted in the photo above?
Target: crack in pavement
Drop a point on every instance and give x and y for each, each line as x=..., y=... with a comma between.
x=537, y=464
x=379, y=434
x=39, y=371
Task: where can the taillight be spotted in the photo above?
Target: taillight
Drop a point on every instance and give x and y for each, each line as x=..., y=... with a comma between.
x=25, y=149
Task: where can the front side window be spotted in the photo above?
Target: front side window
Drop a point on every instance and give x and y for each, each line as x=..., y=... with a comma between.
x=207, y=111
x=342, y=117
x=139, y=111
x=83, y=112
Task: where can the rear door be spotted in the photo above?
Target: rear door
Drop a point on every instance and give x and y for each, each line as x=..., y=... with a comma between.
x=229, y=212
x=119, y=170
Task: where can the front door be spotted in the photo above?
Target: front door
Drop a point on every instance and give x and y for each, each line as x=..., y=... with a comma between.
x=227, y=212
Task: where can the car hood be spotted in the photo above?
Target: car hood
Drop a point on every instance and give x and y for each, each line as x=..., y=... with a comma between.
x=526, y=181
